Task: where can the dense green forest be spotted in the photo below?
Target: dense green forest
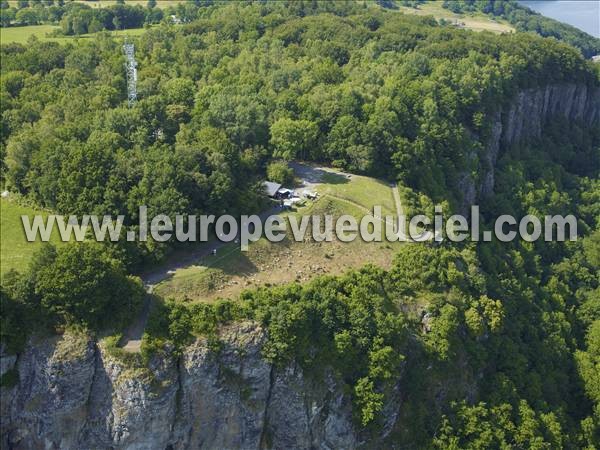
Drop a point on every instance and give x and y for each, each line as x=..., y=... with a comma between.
x=495, y=345
x=366, y=90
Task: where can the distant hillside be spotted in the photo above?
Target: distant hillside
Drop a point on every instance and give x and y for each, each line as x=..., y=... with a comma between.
x=525, y=19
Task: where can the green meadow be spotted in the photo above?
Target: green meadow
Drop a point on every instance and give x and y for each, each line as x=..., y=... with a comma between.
x=15, y=250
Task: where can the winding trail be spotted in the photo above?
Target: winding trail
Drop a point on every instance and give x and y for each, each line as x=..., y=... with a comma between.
x=397, y=200
x=132, y=337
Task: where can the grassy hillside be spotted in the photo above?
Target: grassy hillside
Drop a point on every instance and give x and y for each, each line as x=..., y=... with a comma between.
x=364, y=191
x=22, y=34
x=15, y=251
x=266, y=263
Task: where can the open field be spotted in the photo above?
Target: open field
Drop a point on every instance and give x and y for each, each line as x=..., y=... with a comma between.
x=22, y=34
x=266, y=263
x=15, y=251
x=365, y=191
x=475, y=21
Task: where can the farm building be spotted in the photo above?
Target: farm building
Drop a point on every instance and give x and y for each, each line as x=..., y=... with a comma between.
x=272, y=188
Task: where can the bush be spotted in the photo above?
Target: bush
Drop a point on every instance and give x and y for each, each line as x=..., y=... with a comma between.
x=12, y=326
x=10, y=378
x=279, y=172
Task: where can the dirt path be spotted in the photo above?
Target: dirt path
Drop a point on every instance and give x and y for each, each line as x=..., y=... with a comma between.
x=187, y=258
x=397, y=200
x=132, y=337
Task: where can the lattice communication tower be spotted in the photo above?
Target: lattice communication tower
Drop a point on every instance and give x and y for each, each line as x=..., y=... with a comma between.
x=131, y=69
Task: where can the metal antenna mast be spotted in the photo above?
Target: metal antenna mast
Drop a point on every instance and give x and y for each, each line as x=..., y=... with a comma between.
x=131, y=69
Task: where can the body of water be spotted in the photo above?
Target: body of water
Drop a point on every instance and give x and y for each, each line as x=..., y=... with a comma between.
x=583, y=14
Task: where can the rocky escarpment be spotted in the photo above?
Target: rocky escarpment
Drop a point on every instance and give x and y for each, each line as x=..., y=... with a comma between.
x=524, y=118
x=72, y=394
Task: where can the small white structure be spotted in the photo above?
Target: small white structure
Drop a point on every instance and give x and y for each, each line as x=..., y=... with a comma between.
x=292, y=201
x=285, y=193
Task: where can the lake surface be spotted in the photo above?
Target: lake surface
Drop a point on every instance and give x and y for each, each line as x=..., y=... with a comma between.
x=583, y=14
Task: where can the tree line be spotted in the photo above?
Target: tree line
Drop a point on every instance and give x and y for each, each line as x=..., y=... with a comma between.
x=76, y=18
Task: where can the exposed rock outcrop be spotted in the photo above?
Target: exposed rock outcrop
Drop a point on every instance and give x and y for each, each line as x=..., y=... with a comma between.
x=532, y=108
x=524, y=118
x=72, y=394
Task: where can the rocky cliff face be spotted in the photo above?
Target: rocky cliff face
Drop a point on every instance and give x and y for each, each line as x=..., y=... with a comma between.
x=524, y=118
x=72, y=394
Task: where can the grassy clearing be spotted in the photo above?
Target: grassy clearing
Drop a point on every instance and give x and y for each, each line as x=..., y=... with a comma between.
x=364, y=191
x=15, y=251
x=475, y=21
x=266, y=263
x=22, y=34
